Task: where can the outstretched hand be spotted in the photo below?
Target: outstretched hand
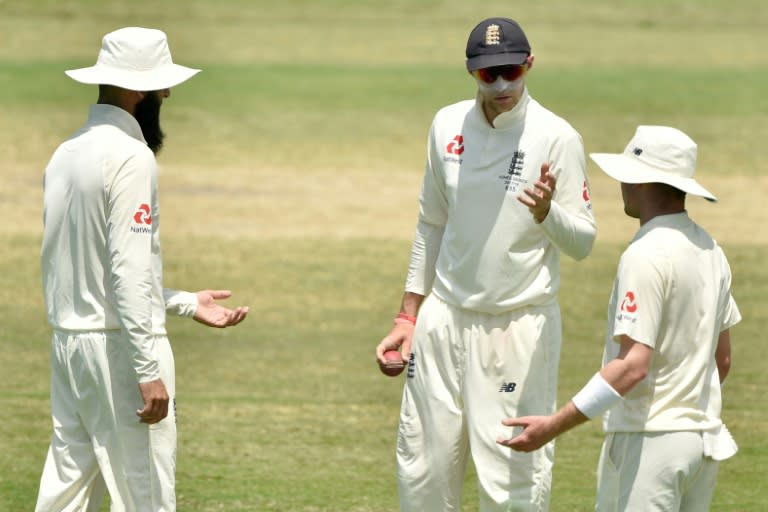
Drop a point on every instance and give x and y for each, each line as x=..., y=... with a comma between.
x=537, y=431
x=539, y=198
x=212, y=314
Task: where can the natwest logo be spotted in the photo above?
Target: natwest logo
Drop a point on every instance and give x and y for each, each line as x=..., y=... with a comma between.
x=585, y=195
x=628, y=305
x=456, y=146
x=585, y=192
x=143, y=215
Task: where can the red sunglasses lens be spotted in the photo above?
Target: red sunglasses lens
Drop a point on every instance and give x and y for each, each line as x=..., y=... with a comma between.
x=508, y=73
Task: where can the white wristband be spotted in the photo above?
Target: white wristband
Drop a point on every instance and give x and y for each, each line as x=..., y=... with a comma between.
x=596, y=397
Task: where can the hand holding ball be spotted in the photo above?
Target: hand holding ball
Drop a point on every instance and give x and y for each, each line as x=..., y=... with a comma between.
x=394, y=365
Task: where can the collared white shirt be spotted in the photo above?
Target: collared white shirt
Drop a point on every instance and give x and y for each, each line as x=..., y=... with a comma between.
x=673, y=293
x=101, y=261
x=477, y=246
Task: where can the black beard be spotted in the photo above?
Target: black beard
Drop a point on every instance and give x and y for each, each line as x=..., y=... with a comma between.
x=147, y=113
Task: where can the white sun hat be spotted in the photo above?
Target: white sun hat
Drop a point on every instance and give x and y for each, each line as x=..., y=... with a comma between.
x=134, y=58
x=656, y=154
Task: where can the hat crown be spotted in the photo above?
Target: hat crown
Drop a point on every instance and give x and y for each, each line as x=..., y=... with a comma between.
x=667, y=149
x=496, y=42
x=135, y=49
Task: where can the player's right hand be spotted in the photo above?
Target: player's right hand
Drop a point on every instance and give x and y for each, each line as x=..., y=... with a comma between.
x=398, y=338
x=156, y=399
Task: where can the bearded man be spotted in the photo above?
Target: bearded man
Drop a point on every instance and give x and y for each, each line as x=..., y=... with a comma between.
x=112, y=370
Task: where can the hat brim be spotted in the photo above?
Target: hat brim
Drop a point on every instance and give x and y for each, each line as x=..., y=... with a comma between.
x=156, y=79
x=626, y=169
x=496, y=59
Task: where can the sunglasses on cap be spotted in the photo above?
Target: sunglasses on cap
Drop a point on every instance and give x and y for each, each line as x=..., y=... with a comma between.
x=508, y=73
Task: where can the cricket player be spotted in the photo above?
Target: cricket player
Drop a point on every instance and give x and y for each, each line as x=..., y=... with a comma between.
x=667, y=347
x=504, y=192
x=112, y=371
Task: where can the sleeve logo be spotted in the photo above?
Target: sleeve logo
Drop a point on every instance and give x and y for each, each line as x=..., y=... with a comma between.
x=142, y=220
x=143, y=215
x=585, y=195
x=585, y=192
x=456, y=146
x=628, y=305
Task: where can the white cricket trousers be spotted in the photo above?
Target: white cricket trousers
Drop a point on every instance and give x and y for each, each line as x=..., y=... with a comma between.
x=467, y=372
x=98, y=442
x=655, y=472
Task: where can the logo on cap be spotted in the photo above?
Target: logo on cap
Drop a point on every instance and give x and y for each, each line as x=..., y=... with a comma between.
x=492, y=35
x=637, y=151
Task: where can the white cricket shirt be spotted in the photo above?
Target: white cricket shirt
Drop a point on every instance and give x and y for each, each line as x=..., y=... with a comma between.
x=477, y=247
x=673, y=293
x=100, y=258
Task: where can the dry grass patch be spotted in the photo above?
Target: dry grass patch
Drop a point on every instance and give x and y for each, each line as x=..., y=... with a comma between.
x=342, y=204
x=363, y=204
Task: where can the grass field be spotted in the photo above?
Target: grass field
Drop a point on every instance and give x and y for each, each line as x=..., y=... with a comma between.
x=291, y=173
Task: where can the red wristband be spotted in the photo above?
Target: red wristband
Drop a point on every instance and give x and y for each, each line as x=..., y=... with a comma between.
x=404, y=318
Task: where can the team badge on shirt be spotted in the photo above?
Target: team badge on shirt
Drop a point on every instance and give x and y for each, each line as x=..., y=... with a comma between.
x=142, y=219
x=513, y=178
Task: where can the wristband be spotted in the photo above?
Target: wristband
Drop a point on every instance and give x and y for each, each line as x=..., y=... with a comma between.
x=596, y=397
x=403, y=318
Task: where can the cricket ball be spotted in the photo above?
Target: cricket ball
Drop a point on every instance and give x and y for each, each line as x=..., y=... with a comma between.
x=394, y=365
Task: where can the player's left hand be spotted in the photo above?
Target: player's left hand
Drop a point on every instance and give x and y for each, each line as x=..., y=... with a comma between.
x=399, y=338
x=539, y=198
x=537, y=431
x=212, y=314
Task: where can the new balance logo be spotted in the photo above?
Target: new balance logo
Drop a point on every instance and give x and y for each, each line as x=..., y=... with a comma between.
x=411, y=365
x=507, y=387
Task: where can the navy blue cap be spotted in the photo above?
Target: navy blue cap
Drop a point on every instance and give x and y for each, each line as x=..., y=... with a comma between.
x=496, y=42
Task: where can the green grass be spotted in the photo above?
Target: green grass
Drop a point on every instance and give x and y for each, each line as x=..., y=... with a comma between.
x=312, y=117
x=359, y=117
x=289, y=412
